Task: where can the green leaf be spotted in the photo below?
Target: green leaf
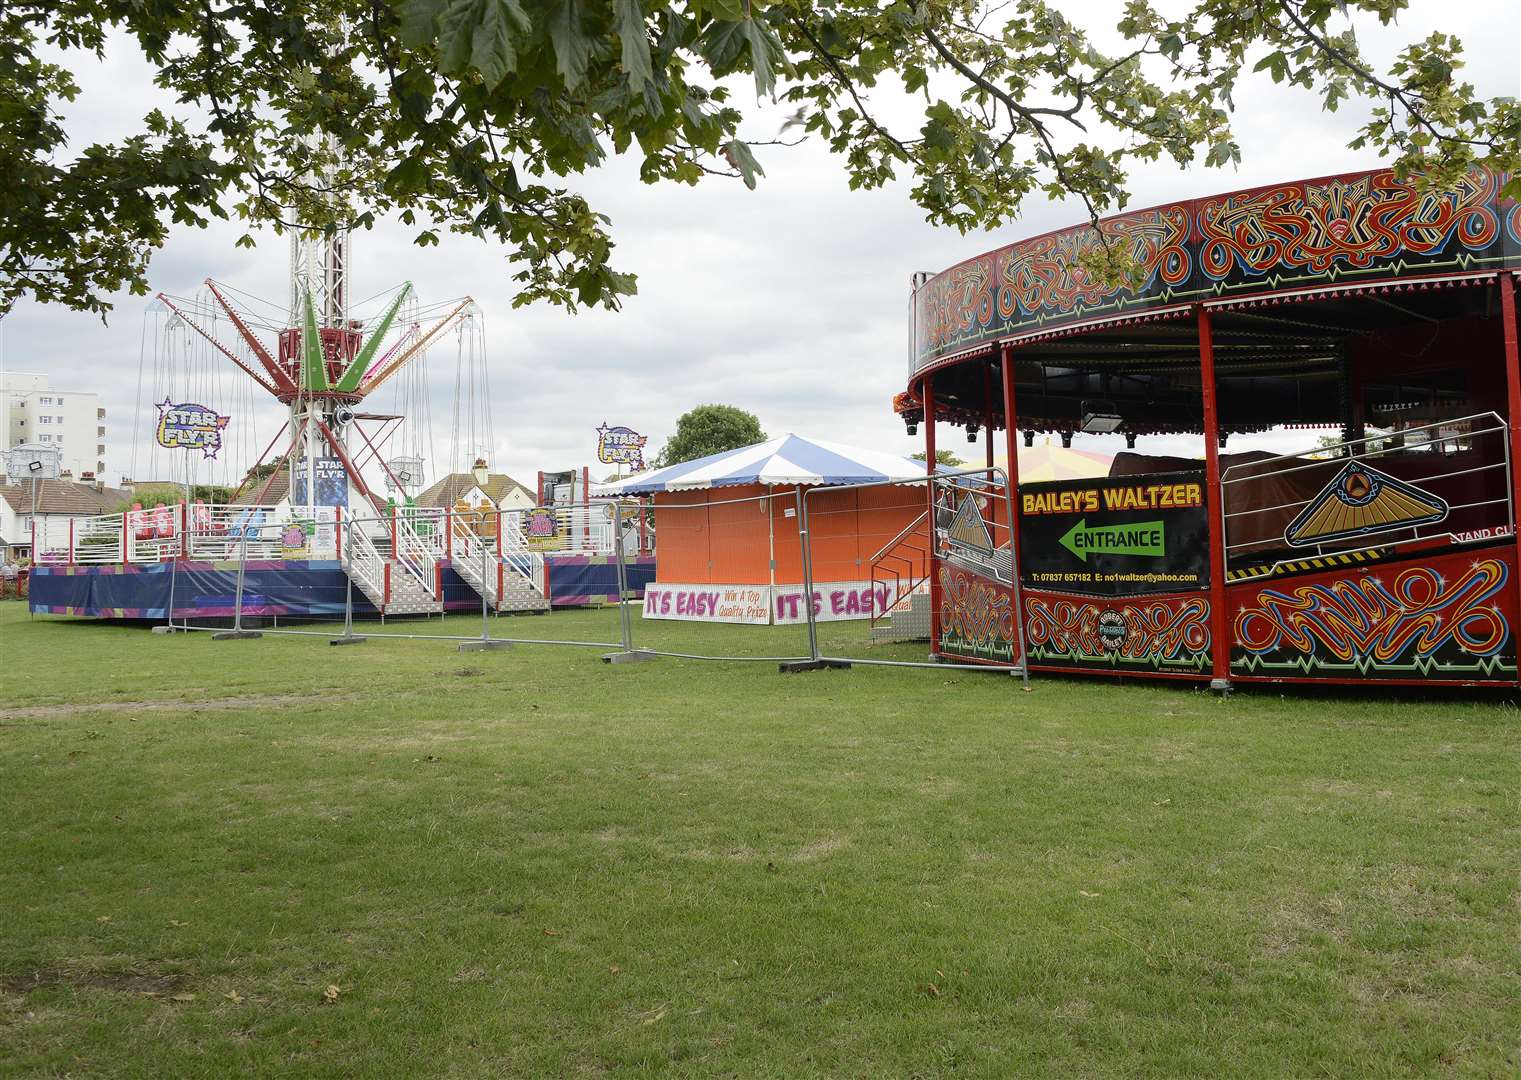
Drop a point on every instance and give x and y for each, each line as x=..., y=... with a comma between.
x=492, y=52
x=739, y=155
x=628, y=20
x=572, y=46
x=456, y=34
x=418, y=18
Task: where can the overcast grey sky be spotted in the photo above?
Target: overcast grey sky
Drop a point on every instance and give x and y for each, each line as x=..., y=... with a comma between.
x=789, y=301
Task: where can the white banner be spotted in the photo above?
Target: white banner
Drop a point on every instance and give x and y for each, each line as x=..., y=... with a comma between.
x=783, y=604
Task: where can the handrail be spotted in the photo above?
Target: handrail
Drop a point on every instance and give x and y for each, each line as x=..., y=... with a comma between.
x=1257, y=466
x=912, y=526
x=414, y=555
x=362, y=558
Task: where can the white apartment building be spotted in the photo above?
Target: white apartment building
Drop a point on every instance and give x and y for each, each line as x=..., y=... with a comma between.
x=70, y=422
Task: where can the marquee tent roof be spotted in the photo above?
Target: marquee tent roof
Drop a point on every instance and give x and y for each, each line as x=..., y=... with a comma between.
x=784, y=461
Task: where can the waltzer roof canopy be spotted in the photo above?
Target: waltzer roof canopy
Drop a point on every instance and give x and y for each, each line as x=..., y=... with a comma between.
x=1296, y=278
x=784, y=461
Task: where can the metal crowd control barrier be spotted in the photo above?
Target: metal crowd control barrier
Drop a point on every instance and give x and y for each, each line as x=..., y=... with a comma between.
x=864, y=524
x=738, y=571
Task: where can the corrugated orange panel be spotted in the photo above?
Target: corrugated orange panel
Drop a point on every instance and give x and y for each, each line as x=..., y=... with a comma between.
x=681, y=537
x=833, y=528
x=789, y=559
x=739, y=537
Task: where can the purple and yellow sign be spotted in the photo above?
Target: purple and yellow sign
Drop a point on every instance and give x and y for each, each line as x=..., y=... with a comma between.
x=621, y=446
x=189, y=426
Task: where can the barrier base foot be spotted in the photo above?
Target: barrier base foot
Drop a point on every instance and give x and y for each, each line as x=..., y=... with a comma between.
x=790, y=667
x=482, y=646
x=235, y=635
x=633, y=656
x=1221, y=686
x=350, y=639
x=167, y=630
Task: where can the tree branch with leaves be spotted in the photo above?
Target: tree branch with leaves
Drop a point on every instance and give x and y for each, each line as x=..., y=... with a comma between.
x=478, y=116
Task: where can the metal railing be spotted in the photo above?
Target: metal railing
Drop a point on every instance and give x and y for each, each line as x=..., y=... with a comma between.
x=1460, y=469
x=904, y=557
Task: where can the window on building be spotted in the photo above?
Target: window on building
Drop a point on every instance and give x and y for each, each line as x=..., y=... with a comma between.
x=46, y=438
x=44, y=419
x=57, y=419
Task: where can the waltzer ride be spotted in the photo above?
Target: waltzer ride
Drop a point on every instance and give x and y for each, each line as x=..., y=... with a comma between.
x=1354, y=304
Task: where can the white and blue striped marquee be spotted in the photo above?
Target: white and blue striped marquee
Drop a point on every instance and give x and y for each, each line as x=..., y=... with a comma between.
x=786, y=461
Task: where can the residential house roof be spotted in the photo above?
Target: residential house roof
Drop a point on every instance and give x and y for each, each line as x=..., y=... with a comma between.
x=63, y=497
x=452, y=488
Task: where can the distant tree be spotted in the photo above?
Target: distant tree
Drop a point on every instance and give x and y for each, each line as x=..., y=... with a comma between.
x=261, y=472
x=942, y=457
x=710, y=429
x=153, y=495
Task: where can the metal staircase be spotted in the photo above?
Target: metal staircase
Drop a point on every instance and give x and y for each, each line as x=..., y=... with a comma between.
x=400, y=581
x=512, y=580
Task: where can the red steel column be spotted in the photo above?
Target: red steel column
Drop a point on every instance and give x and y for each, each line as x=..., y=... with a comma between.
x=1012, y=444
x=987, y=411
x=927, y=396
x=1214, y=506
x=1513, y=406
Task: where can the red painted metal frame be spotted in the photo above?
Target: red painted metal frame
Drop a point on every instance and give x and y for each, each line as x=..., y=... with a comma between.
x=1214, y=501
x=348, y=466
x=1513, y=407
x=219, y=347
x=259, y=461
x=927, y=395
x=378, y=458
x=284, y=458
x=987, y=420
x=281, y=379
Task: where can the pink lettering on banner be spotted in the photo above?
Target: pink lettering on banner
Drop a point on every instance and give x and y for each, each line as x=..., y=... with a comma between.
x=764, y=604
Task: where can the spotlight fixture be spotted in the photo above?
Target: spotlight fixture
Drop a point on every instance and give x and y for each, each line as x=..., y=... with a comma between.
x=1101, y=417
x=913, y=428
x=1067, y=440
x=1129, y=440
x=971, y=433
x=1223, y=436
x=1029, y=437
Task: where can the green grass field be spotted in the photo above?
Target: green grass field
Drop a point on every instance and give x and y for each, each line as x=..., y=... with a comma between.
x=278, y=858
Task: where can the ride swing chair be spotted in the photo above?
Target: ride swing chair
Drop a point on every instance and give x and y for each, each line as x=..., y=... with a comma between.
x=1357, y=305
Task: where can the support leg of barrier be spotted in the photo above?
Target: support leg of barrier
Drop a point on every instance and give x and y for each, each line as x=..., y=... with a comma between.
x=348, y=637
x=485, y=643
x=237, y=632
x=629, y=654
x=792, y=667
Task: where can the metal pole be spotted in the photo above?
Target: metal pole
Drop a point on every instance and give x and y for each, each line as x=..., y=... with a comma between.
x=1215, y=502
x=485, y=642
x=346, y=544
x=1512, y=357
x=629, y=655
x=237, y=630
x=1011, y=488
x=804, y=546
x=815, y=661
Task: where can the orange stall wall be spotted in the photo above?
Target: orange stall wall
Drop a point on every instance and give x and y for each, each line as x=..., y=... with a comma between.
x=722, y=536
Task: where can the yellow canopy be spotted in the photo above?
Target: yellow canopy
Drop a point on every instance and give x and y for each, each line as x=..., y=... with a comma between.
x=1048, y=460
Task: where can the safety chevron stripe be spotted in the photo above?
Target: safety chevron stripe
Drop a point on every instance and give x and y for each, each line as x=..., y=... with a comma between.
x=1301, y=566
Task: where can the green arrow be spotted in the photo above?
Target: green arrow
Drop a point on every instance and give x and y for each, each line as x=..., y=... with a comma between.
x=1132, y=538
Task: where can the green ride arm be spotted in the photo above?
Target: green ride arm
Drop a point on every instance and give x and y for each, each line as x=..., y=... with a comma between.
x=361, y=363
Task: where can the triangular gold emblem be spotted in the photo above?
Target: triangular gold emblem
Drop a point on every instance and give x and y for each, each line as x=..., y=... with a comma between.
x=1359, y=501
x=967, y=529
